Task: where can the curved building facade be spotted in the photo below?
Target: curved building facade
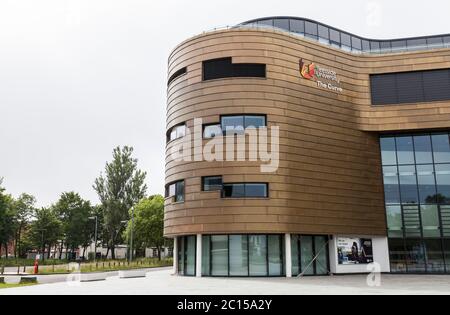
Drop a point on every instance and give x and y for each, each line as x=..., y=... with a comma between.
x=357, y=140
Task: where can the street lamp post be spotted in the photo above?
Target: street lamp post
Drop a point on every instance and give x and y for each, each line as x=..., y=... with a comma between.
x=95, y=237
x=42, y=243
x=125, y=222
x=130, y=245
x=131, y=236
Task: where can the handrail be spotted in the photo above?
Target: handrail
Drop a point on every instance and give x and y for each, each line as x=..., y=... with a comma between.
x=329, y=43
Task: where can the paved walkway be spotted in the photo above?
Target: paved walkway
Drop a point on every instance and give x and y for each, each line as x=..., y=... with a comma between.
x=46, y=279
x=162, y=282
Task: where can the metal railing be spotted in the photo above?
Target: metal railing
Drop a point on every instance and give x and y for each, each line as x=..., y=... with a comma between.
x=328, y=43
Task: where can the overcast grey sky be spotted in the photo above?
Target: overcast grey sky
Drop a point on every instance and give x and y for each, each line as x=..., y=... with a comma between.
x=79, y=77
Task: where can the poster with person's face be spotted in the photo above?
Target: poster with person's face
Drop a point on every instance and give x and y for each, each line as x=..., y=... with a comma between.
x=354, y=251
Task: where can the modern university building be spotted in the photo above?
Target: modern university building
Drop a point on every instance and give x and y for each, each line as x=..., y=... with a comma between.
x=364, y=152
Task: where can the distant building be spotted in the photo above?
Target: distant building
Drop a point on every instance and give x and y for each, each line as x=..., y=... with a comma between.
x=10, y=250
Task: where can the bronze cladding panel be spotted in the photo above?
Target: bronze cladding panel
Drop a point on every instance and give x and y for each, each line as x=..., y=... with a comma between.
x=330, y=178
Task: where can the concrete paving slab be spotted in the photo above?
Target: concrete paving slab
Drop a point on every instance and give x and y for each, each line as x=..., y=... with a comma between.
x=162, y=282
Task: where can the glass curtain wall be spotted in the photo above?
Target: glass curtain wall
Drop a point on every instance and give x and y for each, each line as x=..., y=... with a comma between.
x=416, y=172
x=243, y=255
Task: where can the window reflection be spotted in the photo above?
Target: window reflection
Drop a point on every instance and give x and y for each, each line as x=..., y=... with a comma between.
x=417, y=192
x=329, y=36
x=405, y=150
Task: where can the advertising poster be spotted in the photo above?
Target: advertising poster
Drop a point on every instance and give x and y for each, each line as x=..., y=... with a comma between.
x=353, y=251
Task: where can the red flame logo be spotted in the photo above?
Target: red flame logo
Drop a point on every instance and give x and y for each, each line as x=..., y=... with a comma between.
x=307, y=71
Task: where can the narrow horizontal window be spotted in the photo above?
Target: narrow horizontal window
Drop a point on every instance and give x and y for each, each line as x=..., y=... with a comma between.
x=238, y=124
x=212, y=131
x=225, y=68
x=177, y=74
x=245, y=190
x=176, y=190
x=212, y=183
x=176, y=132
x=410, y=87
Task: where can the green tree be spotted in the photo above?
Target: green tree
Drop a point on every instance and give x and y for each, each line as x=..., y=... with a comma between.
x=6, y=219
x=45, y=230
x=148, y=229
x=121, y=187
x=73, y=212
x=23, y=209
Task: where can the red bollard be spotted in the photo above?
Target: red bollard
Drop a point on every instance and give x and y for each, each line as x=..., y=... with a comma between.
x=36, y=267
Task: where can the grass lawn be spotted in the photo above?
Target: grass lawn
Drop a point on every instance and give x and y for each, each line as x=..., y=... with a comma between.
x=103, y=266
x=9, y=286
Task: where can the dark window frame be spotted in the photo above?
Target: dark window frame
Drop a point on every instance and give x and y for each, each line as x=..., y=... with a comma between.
x=314, y=249
x=211, y=125
x=231, y=70
x=185, y=258
x=267, y=196
x=177, y=74
x=244, y=116
x=175, y=196
x=169, y=132
x=213, y=176
x=282, y=255
x=424, y=93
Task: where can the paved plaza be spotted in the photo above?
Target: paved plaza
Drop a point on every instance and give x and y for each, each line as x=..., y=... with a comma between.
x=162, y=282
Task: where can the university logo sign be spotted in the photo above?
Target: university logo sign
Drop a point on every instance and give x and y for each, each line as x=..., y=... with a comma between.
x=307, y=71
x=325, y=78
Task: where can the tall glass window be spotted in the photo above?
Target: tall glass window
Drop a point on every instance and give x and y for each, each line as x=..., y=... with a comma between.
x=411, y=217
x=430, y=221
x=206, y=261
x=441, y=148
x=243, y=255
x=295, y=255
x=446, y=244
x=415, y=256
x=187, y=247
x=423, y=149
x=191, y=245
x=320, y=246
x=395, y=221
x=389, y=151
x=427, y=184
x=405, y=150
x=416, y=173
x=258, y=255
x=219, y=255
x=275, y=255
x=238, y=255
x=391, y=185
x=443, y=183
x=408, y=184
x=398, y=254
x=445, y=219
x=309, y=255
x=434, y=256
